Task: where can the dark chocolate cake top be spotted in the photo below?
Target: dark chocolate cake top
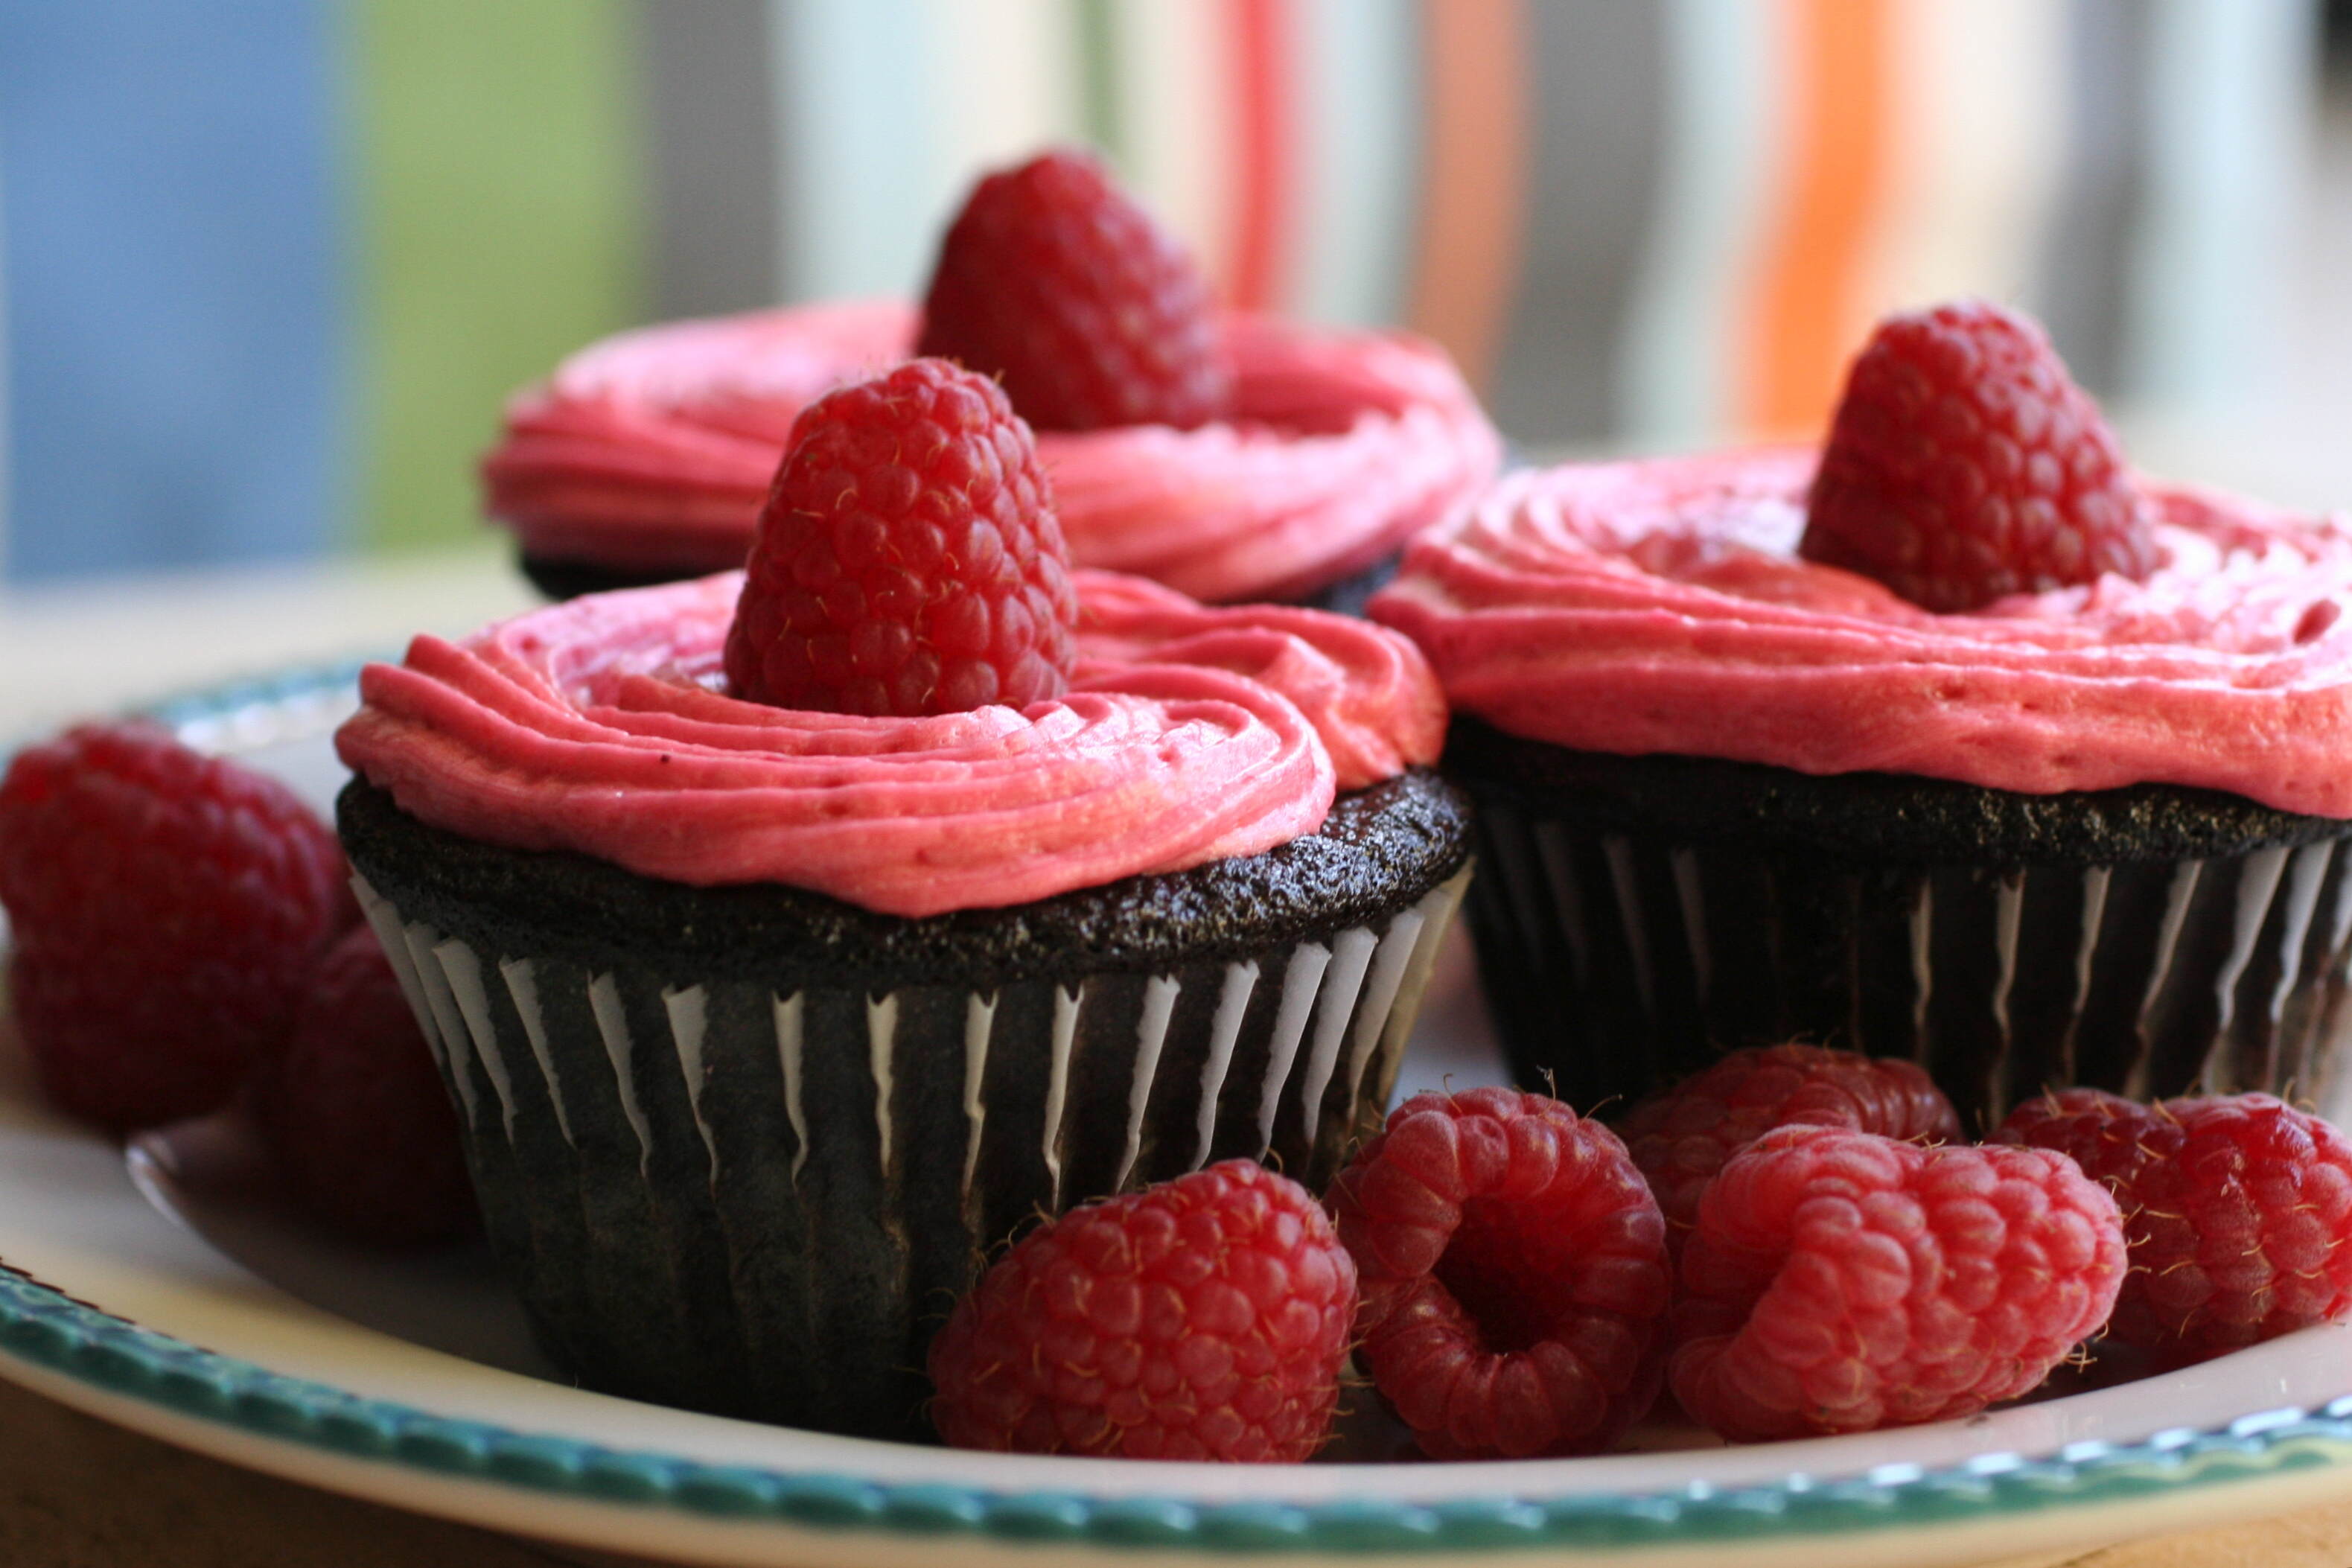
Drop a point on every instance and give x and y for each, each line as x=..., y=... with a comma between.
x=1380, y=849
x=1870, y=818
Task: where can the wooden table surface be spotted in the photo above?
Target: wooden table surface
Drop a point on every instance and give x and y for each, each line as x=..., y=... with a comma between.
x=77, y=1493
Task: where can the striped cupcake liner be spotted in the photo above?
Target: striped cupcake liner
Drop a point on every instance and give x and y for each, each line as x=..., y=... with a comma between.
x=1616, y=961
x=762, y=1200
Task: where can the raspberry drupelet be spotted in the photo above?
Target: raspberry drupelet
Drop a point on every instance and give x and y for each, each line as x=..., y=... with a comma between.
x=1840, y=1281
x=1092, y=315
x=1204, y=1317
x=2238, y=1210
x=908, y=560
x=1681, y=1136
x=1514, y=1275
x=166, y=909
x=1964, y=464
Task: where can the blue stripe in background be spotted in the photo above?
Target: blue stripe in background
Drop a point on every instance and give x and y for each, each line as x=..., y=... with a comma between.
x=1360, y=100
x=852, y=80
x=175, y=372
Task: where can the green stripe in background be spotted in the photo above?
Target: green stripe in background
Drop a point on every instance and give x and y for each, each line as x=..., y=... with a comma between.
x=499, y=224
x=1098, y=40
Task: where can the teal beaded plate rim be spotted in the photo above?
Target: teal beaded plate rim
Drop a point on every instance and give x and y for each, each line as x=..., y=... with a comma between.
x=43, y=1327
x=50, y=1329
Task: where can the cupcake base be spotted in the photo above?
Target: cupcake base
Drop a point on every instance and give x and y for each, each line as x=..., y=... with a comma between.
x=1349, y=595
x=562, y=579
x=1637, y=915
x=741, y=1149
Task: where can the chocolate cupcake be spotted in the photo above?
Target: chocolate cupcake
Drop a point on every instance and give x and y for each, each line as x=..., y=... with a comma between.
x=1728, y=795
x=766, y=1026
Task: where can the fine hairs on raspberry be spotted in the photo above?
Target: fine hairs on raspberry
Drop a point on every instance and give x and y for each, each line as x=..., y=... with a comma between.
x=2237, y=1209
x=1681, y=1136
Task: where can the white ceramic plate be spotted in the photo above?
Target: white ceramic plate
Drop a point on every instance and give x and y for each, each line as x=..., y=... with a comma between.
x=164, y=1290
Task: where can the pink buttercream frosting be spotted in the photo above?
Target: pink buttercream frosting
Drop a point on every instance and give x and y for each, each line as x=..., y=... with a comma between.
x=1660, y=608
x=653, y=450
x=1189, y=734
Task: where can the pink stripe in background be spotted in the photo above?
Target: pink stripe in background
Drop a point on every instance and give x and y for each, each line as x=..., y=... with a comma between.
x=1262, y=38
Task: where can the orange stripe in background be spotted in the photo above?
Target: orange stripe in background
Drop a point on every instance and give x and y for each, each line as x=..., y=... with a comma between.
x=1265, y=161
x=1473, y=167
x=1810, y=313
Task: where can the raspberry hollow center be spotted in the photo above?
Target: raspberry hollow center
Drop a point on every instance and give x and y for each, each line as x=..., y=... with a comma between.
x=1505, y=1277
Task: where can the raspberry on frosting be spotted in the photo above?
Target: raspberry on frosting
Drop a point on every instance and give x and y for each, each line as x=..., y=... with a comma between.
x=908, y=560
x=1661, y=607
x=1052, y=279
x=598, y=726
x=1964, y=464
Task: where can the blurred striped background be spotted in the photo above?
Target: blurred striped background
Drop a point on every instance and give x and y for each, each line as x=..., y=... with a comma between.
x=270, y=265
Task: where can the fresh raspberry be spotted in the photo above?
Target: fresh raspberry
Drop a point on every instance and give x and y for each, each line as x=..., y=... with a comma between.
x=167, y=908
x=1964, y=464
x=1051, y=280
x=355, y=1112
x=2236, y=1210
x=1514, y=1275
x=1680, y=1137
x=1841, y=1281
x=1206, y=1318
x=908, y=560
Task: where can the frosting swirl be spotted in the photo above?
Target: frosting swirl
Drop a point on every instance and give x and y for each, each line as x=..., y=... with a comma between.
x=601, y=726
x=1660, y=608
x=653, y=449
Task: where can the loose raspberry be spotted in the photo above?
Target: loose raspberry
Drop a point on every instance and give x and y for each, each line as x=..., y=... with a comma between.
x=1514, y=1275
x=1841, y=1281
x=2236, y=1210
x=1964, y=464
x=354, y=1110
x=167, y=908
x=908, y=560
x=1051, y=280
x=1206, y=1318
x=1680, y=1137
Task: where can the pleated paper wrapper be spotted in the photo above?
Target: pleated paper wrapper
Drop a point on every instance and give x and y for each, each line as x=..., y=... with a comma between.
x=762, y=1200
x=1615, y=962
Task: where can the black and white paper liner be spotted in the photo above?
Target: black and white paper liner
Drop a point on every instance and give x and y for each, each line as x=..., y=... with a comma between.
x=1615, y=963
x=763, y=1204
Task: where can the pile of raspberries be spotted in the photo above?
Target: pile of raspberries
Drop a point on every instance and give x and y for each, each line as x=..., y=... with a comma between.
x=183, y=937
x=1794, y=1242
